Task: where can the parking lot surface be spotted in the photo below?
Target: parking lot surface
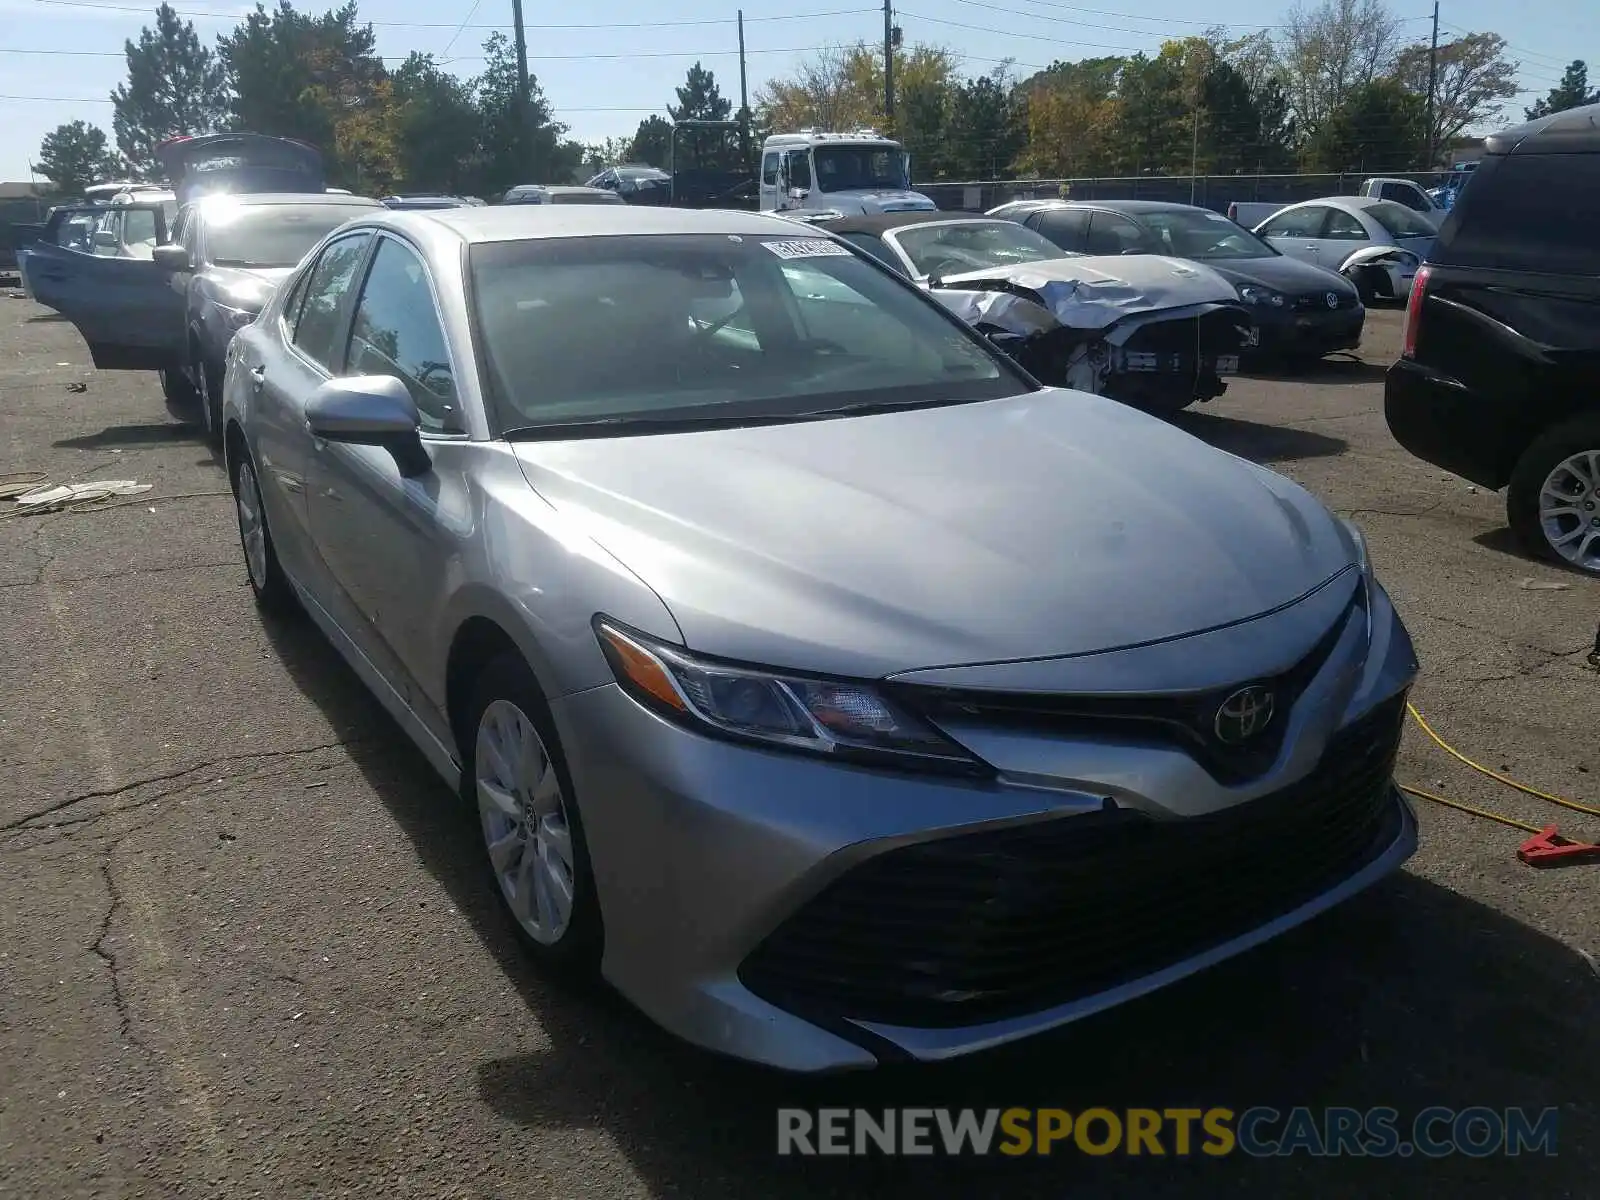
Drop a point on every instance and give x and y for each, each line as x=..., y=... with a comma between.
x=247, y=949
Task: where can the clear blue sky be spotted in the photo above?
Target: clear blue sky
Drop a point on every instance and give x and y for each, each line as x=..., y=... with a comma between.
x=65, y=55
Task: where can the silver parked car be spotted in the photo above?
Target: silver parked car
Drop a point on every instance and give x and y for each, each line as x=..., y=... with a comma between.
x=1376, y=244
x=838, y=691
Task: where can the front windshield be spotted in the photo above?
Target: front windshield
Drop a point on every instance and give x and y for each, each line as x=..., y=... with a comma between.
x=716, y=328
x=843, y=168
x=271, y=235
x=1206, y=236
x=950, y=249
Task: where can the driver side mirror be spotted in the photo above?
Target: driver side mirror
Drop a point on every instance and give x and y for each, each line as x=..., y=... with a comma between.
x=370, y=410
x=798, y=193
x=172, y=257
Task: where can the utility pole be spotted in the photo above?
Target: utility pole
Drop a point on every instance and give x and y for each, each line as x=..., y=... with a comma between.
x=524, y=103
x=888, y=64
x=744, y=104
x=1433, y=76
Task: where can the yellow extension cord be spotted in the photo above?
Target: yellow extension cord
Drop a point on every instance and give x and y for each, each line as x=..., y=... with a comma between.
x=1495, y=775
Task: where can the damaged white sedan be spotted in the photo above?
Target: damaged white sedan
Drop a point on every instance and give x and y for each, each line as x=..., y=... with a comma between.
x=1154, y=332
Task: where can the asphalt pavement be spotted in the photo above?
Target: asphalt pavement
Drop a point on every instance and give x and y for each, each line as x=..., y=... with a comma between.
x=247, y=948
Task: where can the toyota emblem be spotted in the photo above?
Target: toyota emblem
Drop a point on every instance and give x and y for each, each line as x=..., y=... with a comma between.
x=1244, y=714
x=1333, y=299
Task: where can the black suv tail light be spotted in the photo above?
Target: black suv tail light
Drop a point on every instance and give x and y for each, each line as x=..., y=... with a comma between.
x=1408, y=333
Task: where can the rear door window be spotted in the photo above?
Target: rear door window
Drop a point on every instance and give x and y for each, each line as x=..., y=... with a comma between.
x=1301, y=223
x=1528, y=212
x=1345, y=226
x=1399, y=221
x=1066, y=227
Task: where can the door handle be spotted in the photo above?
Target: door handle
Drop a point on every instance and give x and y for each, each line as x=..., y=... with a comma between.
x=258, y=376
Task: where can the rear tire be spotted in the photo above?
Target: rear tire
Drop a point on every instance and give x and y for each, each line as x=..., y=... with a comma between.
x=271, y=587
x=515, y=781
x=1553, y=501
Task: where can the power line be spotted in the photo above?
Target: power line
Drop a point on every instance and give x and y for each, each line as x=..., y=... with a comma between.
x=471, y=12
x=235, y=17
x=1032, y=37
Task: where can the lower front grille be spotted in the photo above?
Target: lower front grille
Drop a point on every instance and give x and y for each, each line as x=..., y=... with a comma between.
x=981, y=927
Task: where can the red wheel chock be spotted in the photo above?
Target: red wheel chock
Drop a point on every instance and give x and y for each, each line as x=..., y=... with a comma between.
x=1549, y=849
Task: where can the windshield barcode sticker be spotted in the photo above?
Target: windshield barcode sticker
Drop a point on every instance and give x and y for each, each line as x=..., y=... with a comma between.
x=807, y=248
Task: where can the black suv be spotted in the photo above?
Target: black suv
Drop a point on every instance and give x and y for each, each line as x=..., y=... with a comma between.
x=1499, y=375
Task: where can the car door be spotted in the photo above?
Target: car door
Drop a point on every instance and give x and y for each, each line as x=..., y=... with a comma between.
x=1297, y=232
x=1113, y=233
x=124, y=308
x=386, y=536
x=282, y=367
x=1066, y=227
x=1342, y=235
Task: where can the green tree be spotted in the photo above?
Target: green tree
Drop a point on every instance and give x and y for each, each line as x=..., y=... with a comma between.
x=175, y=87
x=610, y=152
x=316, y=78
x=515, y=151
x=1327, y=52
x=436, y=128
x=651, y=142
x=1572, y=92
x=984, y=130
x=1156, y=114
x=1472, y=80
x=1378, y=128
x=75, y=155
x=699, y=99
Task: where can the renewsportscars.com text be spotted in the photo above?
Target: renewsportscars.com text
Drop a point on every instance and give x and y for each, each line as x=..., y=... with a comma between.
x=1259, y=1132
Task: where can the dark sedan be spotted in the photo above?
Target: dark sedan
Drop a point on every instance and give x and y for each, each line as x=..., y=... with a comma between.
x=1299, y=310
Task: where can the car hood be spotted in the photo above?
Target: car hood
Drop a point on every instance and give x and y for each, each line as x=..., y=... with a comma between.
x=1049, y=524
x=1283, y=274
x=247, y=290
x=1089, y=291
x=886, y=200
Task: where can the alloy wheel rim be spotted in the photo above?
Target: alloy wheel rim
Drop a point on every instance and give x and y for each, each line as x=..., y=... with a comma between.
x=524, y=818
x=252, y=530
x=1569, y=509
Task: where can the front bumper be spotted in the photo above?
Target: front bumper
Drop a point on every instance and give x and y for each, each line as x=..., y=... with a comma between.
x=1299, y=332
x=712, y=862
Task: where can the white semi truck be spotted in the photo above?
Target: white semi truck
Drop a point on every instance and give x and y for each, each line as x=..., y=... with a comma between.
x=848, y=173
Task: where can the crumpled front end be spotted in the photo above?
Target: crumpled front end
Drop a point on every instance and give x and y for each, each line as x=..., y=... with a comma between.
x=1108, y=338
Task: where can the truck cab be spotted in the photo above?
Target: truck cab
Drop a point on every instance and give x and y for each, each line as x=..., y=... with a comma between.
x=849, y=173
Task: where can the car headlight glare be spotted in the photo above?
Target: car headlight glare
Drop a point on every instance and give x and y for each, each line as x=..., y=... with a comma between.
x=836, y=718
x=1252, y=294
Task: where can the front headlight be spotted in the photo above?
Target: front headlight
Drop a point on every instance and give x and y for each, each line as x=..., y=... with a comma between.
x=1252, y=293
x=839, y=719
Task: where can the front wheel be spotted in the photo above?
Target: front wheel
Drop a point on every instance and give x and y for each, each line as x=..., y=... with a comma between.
x=182, y=400
x=515, y=776
x=211, y=401
x=1553, y=503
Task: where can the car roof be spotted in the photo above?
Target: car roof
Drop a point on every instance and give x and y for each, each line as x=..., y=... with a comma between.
x=1572, y=131
x=521, y=222
x=878, y=224
x=1348, y=203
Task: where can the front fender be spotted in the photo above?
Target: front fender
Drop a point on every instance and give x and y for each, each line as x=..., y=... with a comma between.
x=1378, y=256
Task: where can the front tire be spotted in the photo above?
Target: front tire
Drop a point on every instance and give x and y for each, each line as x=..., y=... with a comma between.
x=514, y=776
x=183, y=402
x=1553, y=502
x=267, y=581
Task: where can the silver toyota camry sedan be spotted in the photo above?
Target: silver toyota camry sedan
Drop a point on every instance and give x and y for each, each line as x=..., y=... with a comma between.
x=838, y=692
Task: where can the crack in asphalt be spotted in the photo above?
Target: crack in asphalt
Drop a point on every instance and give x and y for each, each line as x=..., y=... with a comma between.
x=27, y=821
x=119, y=998
x=1390, y=512
x=40, y=582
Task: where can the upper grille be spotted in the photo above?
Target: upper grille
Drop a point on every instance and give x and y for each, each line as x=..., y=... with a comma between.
x=1188, y=720
x=984, y=926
